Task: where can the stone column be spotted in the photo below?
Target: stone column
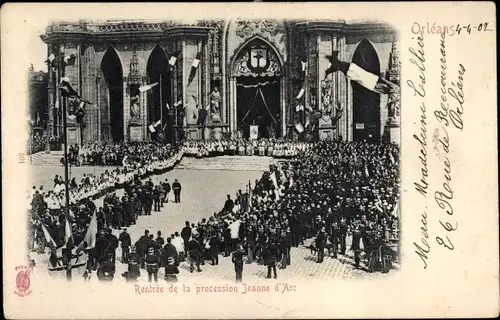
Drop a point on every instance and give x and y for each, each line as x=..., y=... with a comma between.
x=51, y=93
x=232, y=105
x=349, y=110
x=342, y=92
x=284, y=82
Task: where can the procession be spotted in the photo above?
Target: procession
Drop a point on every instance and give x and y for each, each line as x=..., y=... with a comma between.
x=146, y=143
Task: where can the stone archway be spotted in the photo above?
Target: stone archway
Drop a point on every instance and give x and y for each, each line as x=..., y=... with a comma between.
x=257, y=89
x=159, y=97
x=112, y=95
x=366, y=103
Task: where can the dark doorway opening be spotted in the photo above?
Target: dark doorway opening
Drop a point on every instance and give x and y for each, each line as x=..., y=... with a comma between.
x=159, y=96
x=258, y=103
x=366, y=103
x=111, y=68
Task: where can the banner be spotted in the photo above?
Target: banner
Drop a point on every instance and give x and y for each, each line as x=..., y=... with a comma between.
x=254, y=132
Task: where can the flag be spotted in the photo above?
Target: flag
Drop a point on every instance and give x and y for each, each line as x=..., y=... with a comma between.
x=299, y=127
x=309, y=108
x=48, y=238
x=68, y=234
x=70, y=60
x=51, y=58
x=173, y=58
x=154, y=125
x=194, y=67
x=301, y=93
x=56, y=105
x=354, y=72
x=66, y=88
x=178, y=103
x=167, y=106
x=147, y=87
x=91, y=234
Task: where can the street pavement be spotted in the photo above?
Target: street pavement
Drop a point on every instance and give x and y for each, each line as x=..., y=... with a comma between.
x=203, y=193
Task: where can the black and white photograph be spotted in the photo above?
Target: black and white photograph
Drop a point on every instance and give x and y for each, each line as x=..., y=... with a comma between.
x=240, y=149
x=243, y=165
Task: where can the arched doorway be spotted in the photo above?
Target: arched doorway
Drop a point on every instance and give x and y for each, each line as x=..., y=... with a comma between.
x=159, y=96
x=111, y=68
x=258, y=90
x=366, y=103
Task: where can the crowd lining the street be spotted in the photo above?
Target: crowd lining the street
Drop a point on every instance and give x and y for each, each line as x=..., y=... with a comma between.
x=329, y=192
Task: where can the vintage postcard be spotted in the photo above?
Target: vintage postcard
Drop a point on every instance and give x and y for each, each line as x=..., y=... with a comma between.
x=249, y=160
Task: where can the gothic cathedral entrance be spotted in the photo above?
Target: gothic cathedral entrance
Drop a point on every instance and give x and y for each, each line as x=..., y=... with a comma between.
x=366, y=103
x=257, y=70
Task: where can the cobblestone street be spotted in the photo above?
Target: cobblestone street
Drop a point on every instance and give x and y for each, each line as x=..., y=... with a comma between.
x=203, y=193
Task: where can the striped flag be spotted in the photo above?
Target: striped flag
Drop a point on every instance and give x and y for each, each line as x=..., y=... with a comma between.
x=194, y=67
x=148, y=87
x=50, y=241
x=68, y=234
x=154, y=125
x=91, y=234
x=355, y=73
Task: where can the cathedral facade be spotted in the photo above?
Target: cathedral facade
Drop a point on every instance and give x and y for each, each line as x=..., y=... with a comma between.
x=232, y=75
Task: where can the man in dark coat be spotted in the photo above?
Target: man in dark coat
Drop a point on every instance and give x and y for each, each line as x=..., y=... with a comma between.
x=176, y=186
x=229, y=204
x=171, y=251
x=141, y=247
x=186, y=235
x=321, y=244
x=214, y=243
x=125, y=242
x=237, y=259
x=271, y=256
x=194, y=249
x=113, y=240
x=166, y=189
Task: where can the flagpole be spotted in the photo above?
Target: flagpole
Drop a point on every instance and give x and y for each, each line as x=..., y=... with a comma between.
x=65, y=137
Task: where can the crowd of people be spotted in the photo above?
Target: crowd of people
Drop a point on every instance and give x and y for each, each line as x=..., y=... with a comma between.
x=120, y=153
x=37, y=142
x=277, y=148
x=330, y=191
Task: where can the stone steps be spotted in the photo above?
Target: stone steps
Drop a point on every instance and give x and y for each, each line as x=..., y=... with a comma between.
x=233, y=163
x=47, y=159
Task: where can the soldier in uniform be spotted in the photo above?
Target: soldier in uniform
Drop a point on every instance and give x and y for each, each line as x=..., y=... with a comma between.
x=237, y=259
x=176, y=186
x=134, y=271
x=126, y=242
x=152, y=263
x=356, y=239
x=159, y=239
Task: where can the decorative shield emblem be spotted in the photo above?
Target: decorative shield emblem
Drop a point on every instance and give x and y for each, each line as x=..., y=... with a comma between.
x=258, y=59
